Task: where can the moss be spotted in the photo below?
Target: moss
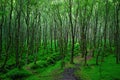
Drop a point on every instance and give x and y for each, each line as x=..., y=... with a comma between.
x=110, y=70
x=17, y=74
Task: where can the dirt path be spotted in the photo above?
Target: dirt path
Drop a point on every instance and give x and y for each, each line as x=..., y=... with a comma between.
x=68, y=73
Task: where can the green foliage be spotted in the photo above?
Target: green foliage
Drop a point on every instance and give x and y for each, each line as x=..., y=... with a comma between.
x=45, y=73
x=77, y=48
x=47, y=60
x=40, y=64
x=17, y=74
x=110, y=70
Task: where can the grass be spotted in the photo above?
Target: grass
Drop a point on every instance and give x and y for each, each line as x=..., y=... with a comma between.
x=109, y=70
x=50, y=72
x=47, y=65
x=15, y=74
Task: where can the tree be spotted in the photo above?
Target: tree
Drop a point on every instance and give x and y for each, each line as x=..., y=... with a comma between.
x=72, y=31
x=117, y=29
x=27, y=19
x=1, y=25
x=9, y=37
x=19, y=7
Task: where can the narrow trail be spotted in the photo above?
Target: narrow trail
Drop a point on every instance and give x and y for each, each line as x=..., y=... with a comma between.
x=68, y=73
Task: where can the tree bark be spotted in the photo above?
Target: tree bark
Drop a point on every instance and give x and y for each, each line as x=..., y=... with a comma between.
x=117, y=34
x=72, y=31
x=18, y=35
x=1, y=25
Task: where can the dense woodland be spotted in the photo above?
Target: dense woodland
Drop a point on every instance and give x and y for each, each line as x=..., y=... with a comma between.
x=42, y=33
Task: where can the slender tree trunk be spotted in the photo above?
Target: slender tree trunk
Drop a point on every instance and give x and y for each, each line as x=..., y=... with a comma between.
x=27, y=23
x=117, y=35
x=55, y=34
x=99, y=46
x=18, y=36
x=1, y=39
x=9, y=37
x=95, y=32
x=39, y=23
x=51, y=37
x=45, y=29
x=105, y=28
x=1, y=25
x=72, y=31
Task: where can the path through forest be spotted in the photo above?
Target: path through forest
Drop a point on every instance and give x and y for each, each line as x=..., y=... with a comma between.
x=68, y=73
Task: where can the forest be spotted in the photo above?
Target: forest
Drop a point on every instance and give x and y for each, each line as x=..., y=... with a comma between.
x=59, y=39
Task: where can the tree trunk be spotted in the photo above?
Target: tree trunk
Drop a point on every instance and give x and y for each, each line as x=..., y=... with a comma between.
x=9, y=37
x=95, y=32
x=1, y=25
x=117, y=35
x=72, y=31
x=18, y=36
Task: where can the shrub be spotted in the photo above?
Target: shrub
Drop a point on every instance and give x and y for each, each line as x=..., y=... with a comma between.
x=17, y=74
x=40, y=64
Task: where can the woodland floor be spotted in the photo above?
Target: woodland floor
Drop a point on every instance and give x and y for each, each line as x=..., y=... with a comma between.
x=68, y=73
x=76, y=71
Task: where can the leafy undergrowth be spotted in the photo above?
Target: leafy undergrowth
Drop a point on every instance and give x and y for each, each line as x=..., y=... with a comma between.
x=45, y=71
x=50, y=72
x=15, y=74
x=109, y=70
